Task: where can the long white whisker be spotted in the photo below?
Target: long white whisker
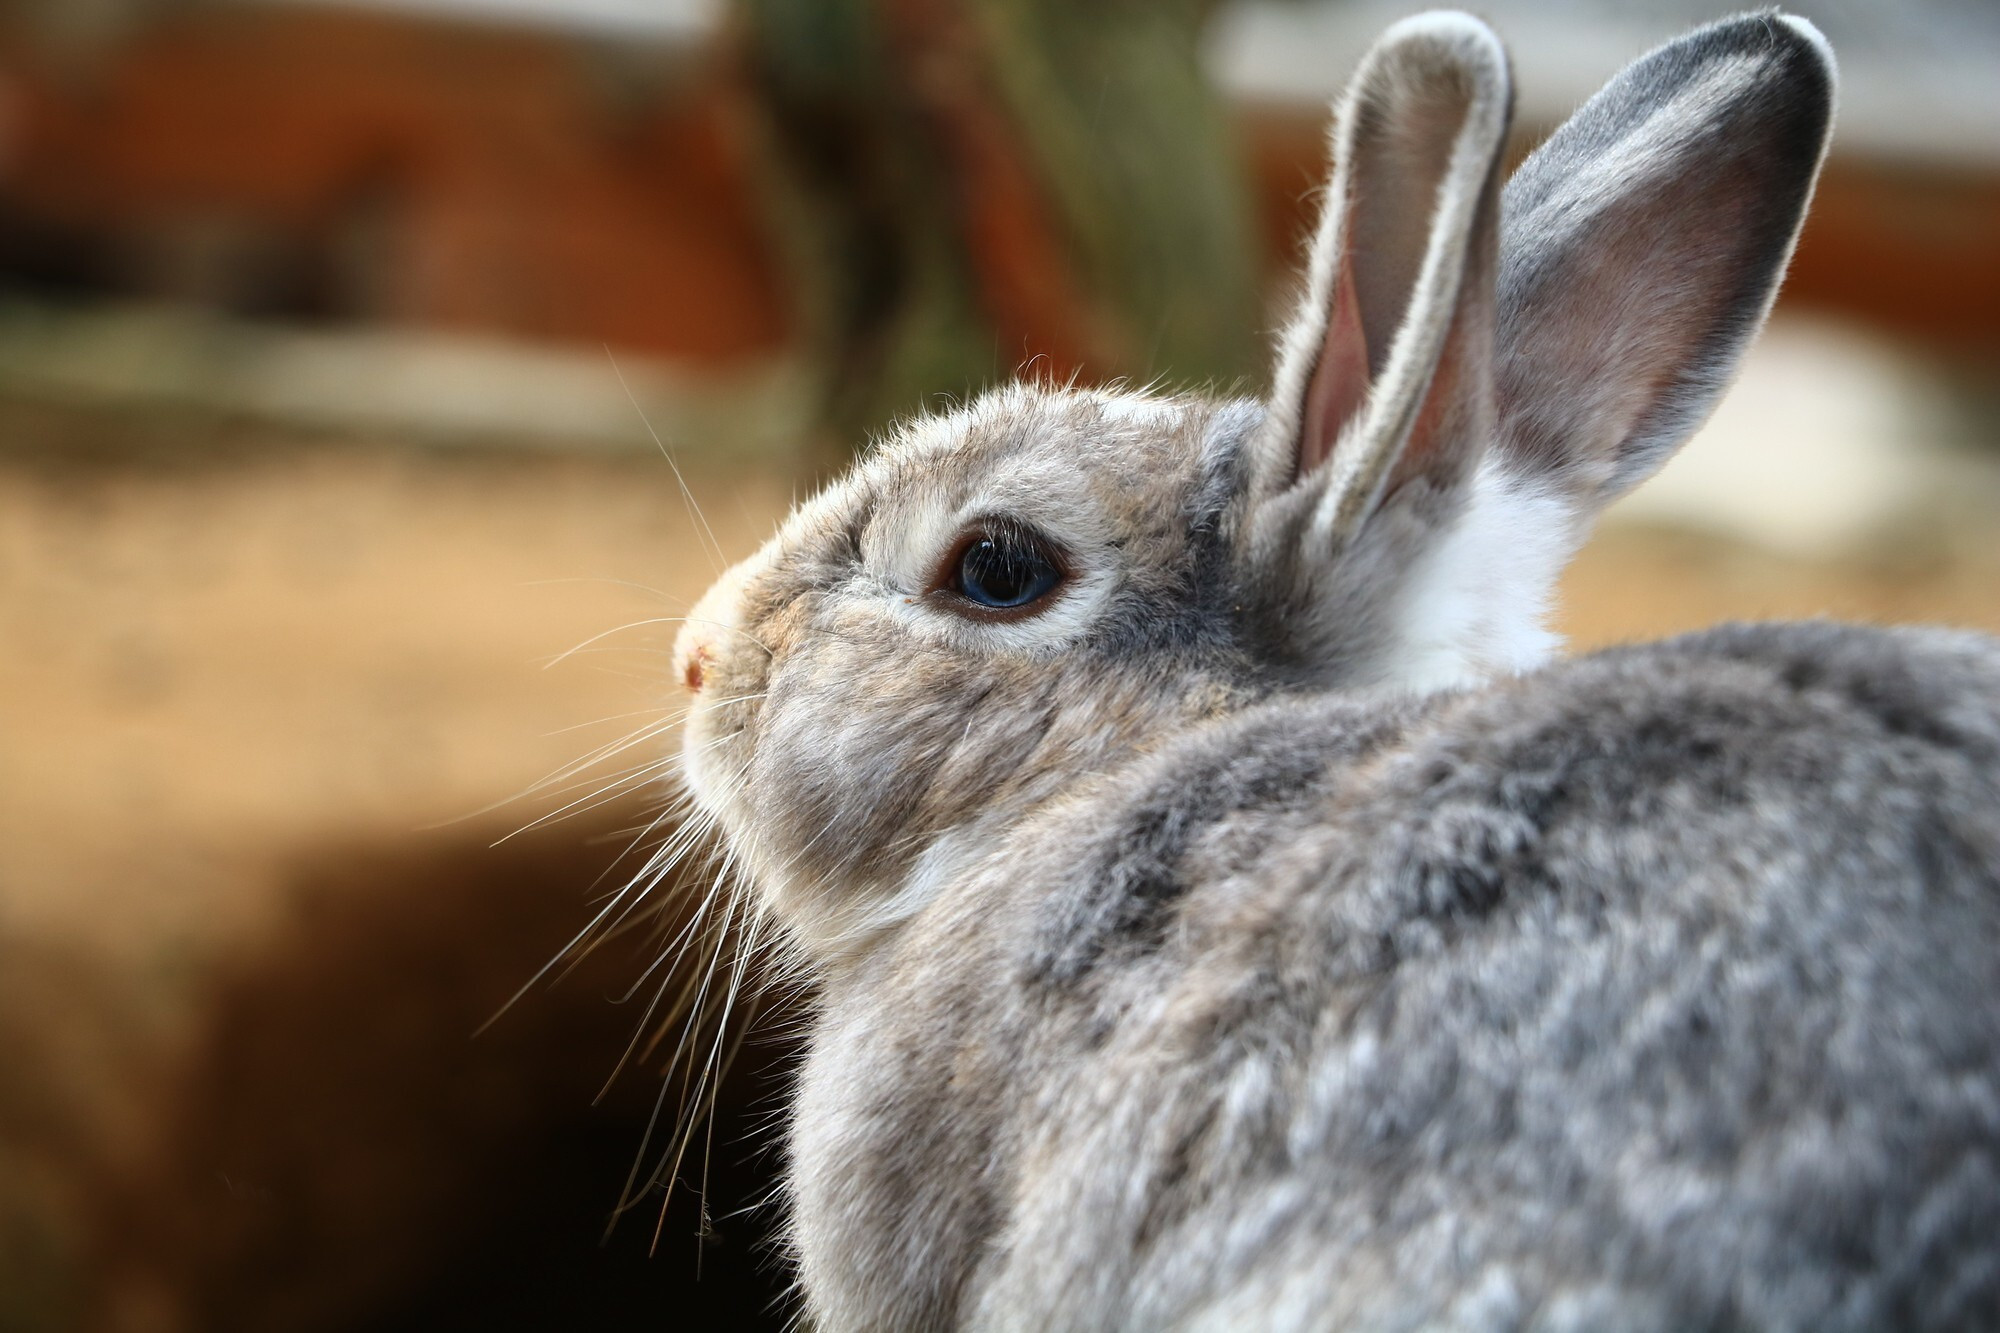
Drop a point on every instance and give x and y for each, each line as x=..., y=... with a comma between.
x=632, y=1176
x=698, y=1106
x=686, y=1046
x=651, y=875
x=558, y=957
x=719, y=1061
x=661, y=593
x=638, y=1032
x=602, y=635
x=617, y=783
x=601, y=796
x=615, y=717
x=575, y=766
x=704, y=1012
x=687, y=496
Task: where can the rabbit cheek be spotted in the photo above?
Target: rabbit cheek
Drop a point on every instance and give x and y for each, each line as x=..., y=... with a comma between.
x=855, y=740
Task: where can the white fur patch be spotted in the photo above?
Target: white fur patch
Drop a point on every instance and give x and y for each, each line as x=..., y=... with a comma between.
x=1475, y=606
x=846, y=925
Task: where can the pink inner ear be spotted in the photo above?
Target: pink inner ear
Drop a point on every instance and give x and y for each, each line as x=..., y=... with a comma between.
x=1339, y=381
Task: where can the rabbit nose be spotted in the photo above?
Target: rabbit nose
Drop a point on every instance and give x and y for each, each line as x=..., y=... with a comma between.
x=691, y=673
x=698, y=648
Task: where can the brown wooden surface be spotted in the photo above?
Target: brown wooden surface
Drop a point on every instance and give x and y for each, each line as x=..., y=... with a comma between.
x=380, y=167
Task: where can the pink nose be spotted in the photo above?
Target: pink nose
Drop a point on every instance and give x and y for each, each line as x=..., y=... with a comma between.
x=697, y=658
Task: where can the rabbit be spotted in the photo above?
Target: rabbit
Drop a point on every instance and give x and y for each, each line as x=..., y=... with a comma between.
x=1225, y=908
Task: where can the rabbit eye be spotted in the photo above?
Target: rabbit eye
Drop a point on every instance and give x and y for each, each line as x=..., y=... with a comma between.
x=1005, y=571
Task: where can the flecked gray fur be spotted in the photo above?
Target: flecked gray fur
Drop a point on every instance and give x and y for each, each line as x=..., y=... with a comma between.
x=1660, y=990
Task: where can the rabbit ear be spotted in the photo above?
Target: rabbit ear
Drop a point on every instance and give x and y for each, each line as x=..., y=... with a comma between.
x=1641, y=247
x=1384, y=373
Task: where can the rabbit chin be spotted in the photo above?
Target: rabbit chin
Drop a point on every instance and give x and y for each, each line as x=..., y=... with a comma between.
x=829, y=920
x=837, y=926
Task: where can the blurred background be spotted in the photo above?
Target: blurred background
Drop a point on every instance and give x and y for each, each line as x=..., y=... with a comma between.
x=340, y=345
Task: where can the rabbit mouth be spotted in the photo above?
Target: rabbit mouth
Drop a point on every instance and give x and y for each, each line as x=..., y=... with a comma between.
x=718, y=741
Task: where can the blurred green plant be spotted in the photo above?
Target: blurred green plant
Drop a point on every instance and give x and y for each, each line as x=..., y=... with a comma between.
x=79, y=29
x=967, y=189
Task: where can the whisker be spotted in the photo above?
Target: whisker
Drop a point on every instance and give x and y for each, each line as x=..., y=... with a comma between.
x=718, y=1067
x=545, y=968
x=619, y=782
x=632, y=1175
x=639, y=881
x=613, y=717
x=623, y=922
x=684, y=1047
x=701, y=1000
x=687, y=496
x=602, y=635
x=603, y=796
x=638, y=1032
x=661, y=593
x=587, y=644
x=570, y=769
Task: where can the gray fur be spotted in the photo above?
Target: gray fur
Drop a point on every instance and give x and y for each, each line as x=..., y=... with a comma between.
x=1190, y=953
x=1660, y=990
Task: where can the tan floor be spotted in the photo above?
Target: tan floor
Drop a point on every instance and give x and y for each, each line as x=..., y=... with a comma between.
x=204, y=660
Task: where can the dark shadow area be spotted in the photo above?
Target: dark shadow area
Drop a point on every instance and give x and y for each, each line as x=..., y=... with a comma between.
x=347, y=1155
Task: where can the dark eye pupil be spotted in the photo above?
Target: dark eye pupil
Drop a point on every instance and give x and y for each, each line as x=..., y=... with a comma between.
x=1003, y=573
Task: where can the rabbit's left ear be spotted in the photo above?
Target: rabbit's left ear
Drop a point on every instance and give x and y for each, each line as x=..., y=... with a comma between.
x=1384, y=376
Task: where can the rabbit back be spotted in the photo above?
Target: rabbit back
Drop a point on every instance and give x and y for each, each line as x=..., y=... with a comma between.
x=1659, y=989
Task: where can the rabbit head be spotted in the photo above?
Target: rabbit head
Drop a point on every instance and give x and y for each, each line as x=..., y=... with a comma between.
x=998, y=602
